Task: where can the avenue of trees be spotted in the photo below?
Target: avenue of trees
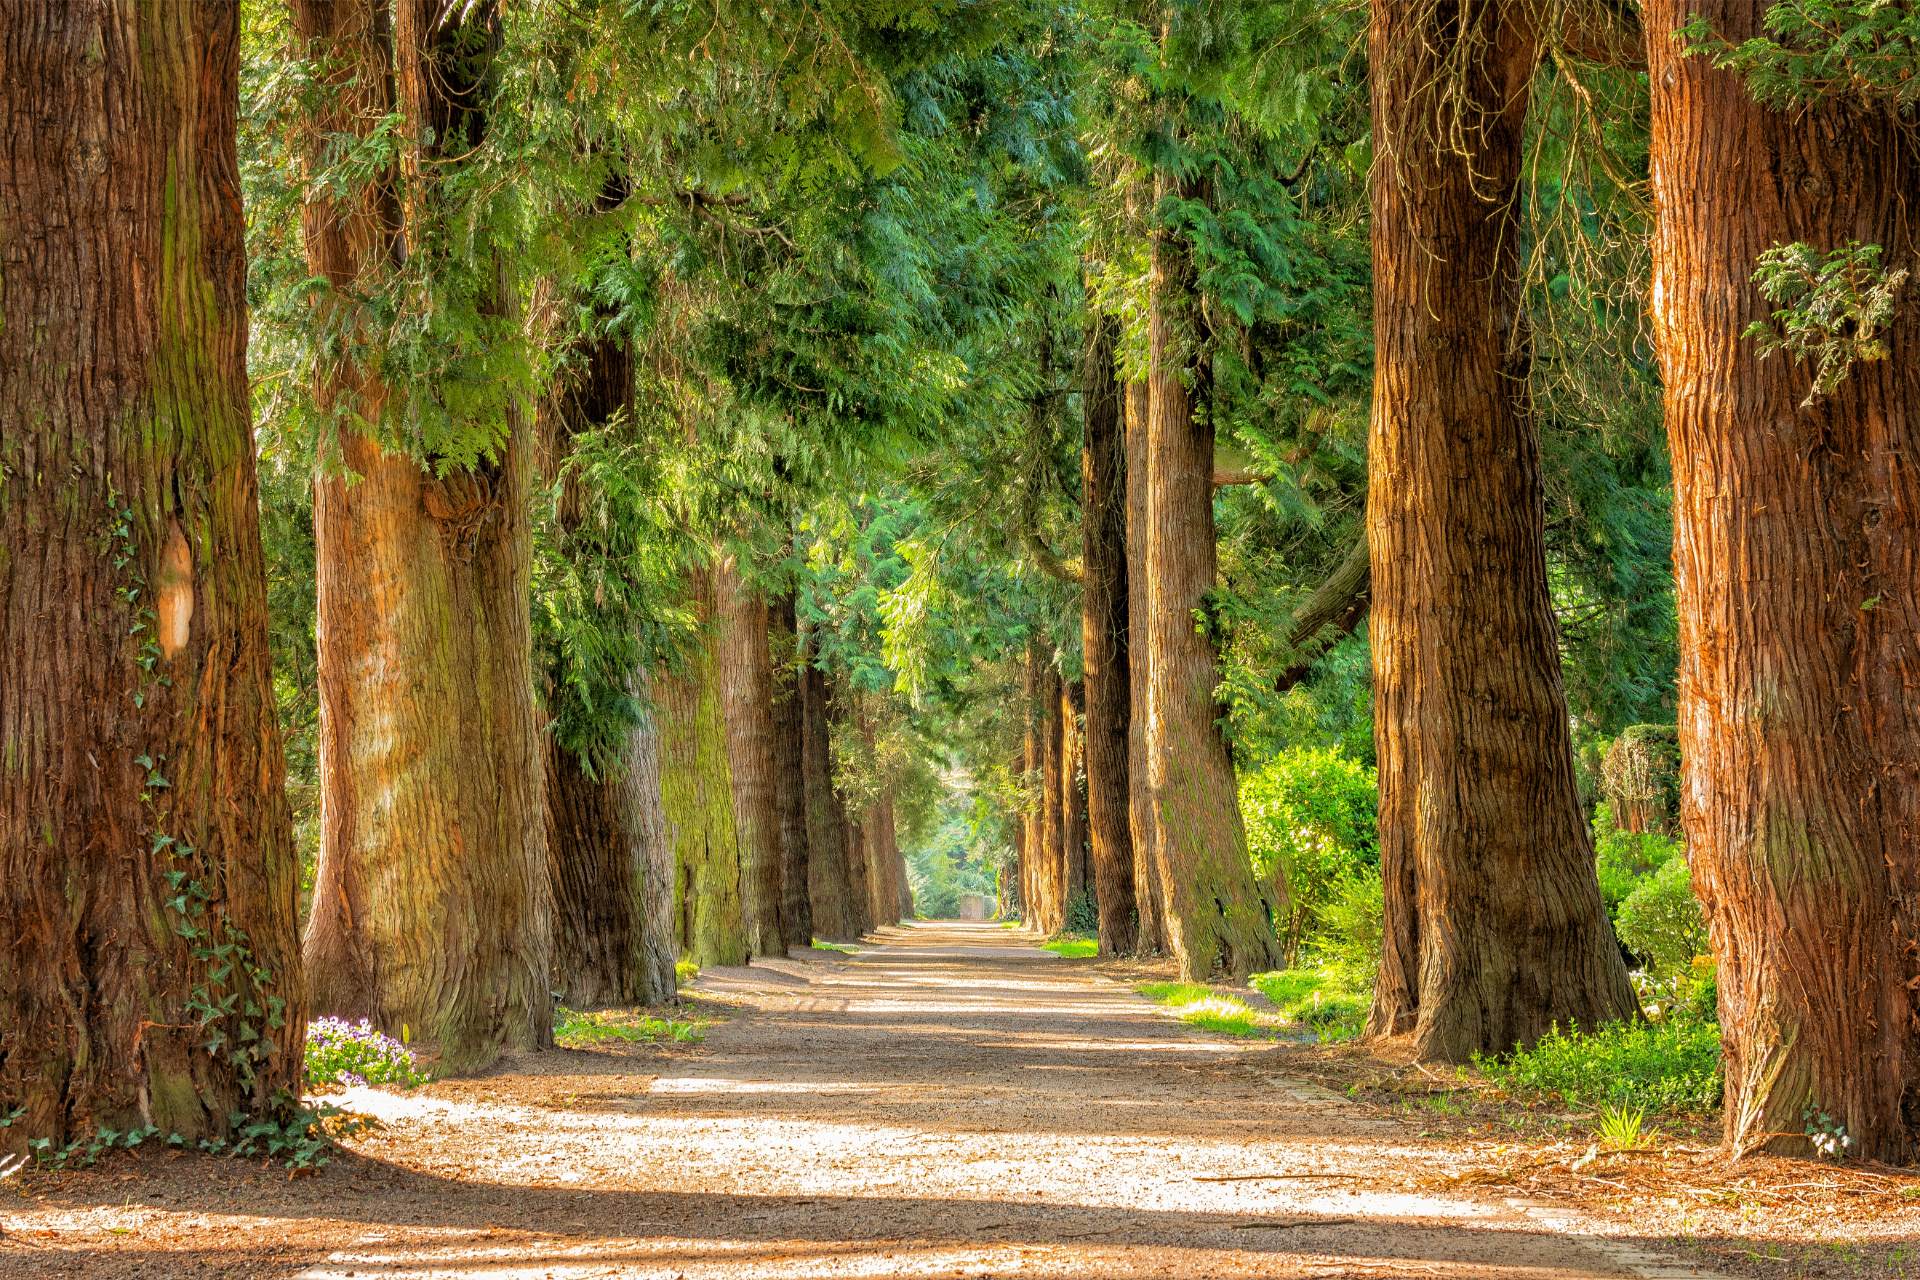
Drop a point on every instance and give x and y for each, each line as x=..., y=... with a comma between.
x=499, y=499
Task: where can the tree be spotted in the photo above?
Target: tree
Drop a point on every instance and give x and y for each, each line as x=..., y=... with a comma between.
x=149, y=974
x=1494, y=929
x=1796, y=521
x=745, y=674
x=1217, y=920
x=432, y=901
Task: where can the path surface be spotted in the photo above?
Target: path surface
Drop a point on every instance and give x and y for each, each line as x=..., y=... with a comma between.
x=949, y=1103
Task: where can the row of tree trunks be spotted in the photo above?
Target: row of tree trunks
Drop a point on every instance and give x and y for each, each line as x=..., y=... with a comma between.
x=789, y=773
x=432, y=903
x=746, y=678
x=133, y=617
x=1217, y=921
x=1494, y=927
x=1149, y=896
x=1796, y=554
x=1104, y=633
x=696, y=795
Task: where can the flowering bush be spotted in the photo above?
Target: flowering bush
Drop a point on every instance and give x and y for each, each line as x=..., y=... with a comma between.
x=353, y=1053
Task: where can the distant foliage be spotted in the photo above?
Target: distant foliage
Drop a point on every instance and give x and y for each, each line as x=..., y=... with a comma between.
x=353, y=1053
x=1660, y=1066
x=1832, y=309
x=1311, y=825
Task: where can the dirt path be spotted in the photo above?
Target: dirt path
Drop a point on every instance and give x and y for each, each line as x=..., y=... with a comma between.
x=950, y=1102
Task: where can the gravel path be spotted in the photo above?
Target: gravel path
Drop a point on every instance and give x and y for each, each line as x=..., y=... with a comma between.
x=949, y=1102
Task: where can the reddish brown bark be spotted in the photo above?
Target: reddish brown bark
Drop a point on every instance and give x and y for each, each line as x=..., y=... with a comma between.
x=1218, y=922
x=1796, y=557
x=1494, y=926
x=1150, y=936
x=144, y=829
x=829, y=879
x=789, y=772
x=746, y=681
x=1103, y=616
x=432, y=902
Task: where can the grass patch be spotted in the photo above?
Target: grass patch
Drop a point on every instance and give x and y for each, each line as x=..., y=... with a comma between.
x=1322, y=999
x=1201, y=1006
x=575, y=1030
x=841, y=947
x=1668, y=1066
x=1072, y=948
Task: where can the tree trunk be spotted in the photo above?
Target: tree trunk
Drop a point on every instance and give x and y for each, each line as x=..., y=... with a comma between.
x=612, y=872
x=1494, y=927
x=144, y=828
x=1103, y=618
x=1151, y=938
x=696, y=793
x=746, y=681
x=432, y=905
x=1795, y=535
x=1218, y=921
x=789, y=773
x=829, y=881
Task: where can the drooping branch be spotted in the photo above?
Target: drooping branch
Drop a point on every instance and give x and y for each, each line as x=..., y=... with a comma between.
x=1335, y=609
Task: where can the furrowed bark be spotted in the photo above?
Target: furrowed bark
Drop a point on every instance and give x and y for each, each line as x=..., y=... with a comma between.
x=1104, y=620
x=829, y=881
x=1218, y=921
x=746, y=680
x=1796, y=528
x=696, y=794
x=1141, y=826
x=789, y=774
x=143, y=815
x=432, y=900
x=1494, y=927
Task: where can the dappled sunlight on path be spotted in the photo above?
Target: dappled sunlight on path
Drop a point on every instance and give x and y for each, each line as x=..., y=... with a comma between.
x=950, y=1101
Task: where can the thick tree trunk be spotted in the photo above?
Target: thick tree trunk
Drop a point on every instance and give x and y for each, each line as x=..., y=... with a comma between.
x=829, y=880
x=696, y=793
x=1218, y=921
x=1151, y=938
x=1796, y=558
x=789, y=774
x=432, y=904
x=144, y=829
x=1494, y=926
x=1103, y=618
x=612, y=867
x=746, y=681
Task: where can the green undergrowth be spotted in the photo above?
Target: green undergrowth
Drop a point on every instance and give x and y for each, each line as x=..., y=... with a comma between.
x=1671, y=1066
x=1072, y=947
x=1201, y=1006
x=1322, y=999
x=576, y=1030
x=841, y=947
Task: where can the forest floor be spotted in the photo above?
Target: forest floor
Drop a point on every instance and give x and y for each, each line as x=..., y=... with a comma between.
x=949, y=1101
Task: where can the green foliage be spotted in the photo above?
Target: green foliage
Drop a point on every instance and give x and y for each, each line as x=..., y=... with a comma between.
x=1831, y=308
x=576, y=1030
x=1662, y=921
x=1865, y=52
x=1667, y=1066
x=1325, y=999
x=1072, y=948
x=1311, y=816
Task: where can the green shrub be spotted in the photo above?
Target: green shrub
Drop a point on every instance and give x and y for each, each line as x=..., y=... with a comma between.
x=1661, y=920
x=1311, y=825
x=1662, y=1066
x=1350, y=933
x=1083, y=913
x=1324, y=999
